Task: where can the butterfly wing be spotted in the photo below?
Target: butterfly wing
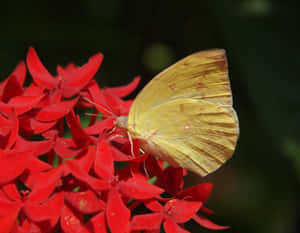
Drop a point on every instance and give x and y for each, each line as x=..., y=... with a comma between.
x=203, y=75
x=185, y=113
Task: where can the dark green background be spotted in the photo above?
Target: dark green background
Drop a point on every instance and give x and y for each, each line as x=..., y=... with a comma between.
x=258, y=189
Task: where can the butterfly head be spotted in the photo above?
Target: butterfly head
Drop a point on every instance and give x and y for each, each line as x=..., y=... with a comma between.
x=121, y=122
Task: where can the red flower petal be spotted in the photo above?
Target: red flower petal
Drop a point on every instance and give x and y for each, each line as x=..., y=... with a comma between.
x=79, y=136
x=70, y=222
x=41, y=189
x=65, y=148
x=56, y=111
x=104, y=165
x=37, y=126
x=12, y=165
x=33, y=90
x=203, y=221
x=76, y=78
x=49, y=210
x=85, y=202
x=99, y=100
x=11, y=192
x=8, y=221
x=116, y=104
x=206, y=210
x=5, y=126
x=125, y=90
x=199, y=192
x=139, y=189
x=20, y=72
x=86, y=159
x=40, y=147
x=119, y=155
x=171, y=180
x=39, y=73
x=23, y=104
x=10, y=88
x=181, y=211
x=97, y=224
x=99, y=127
x=171, y=227
x=14, y=131
x=147, y=221
x=117, y=214
x=154, y=205
x=83, y=176
x=36, y=165
x=85, y=73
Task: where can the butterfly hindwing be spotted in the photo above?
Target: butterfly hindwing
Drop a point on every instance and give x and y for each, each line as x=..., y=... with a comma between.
x=191, y=133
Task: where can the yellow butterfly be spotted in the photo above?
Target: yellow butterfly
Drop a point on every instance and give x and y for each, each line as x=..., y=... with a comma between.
x=185, y=116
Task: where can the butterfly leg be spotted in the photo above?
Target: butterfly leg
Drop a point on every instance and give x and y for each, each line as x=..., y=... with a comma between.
x=131, y=144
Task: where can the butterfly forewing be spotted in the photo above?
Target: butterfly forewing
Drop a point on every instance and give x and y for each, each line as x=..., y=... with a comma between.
x=202, y=75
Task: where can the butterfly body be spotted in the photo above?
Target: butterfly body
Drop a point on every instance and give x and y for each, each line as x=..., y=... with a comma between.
x=185, y=115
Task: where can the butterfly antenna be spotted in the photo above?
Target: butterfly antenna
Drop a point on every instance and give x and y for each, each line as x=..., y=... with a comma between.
x=98, y=105
x=131, y=144
x=145, y=169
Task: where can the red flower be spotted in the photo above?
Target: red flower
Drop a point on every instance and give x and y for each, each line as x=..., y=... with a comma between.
x=69, y=81
x=174, y=212
x=58, y=176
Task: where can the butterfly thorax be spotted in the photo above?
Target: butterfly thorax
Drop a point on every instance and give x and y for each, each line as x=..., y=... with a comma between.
x=122, y=122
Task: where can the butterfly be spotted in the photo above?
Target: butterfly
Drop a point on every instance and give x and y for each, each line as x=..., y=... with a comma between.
x=185, y=116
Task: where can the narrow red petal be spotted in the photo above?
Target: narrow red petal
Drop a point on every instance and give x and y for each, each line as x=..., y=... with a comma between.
x=23, y=104
x=39, y=73
x=14, y=131
x=65, y=148
x=56, y=111
x=171, y=227
x=37, y=126
x=49, y=210
x=82, y=175
x=5, y=126
x=125, y=90
x=182, y=211
x=12, y=165
x=99, y=100
x=79, y=135
x=86, y=202
x=206, y=210
x=117, y=214
x=97, y=224
x=147, y=221
x=104, y=164
x=10, y=88
x=99, y=127
x=203, y=221
x=11, y=192
x=33, y=90
x=71, y=223
x=139, y=189
x=171, y=180
x=40, y=147
x=85, y=73
x=8, y=221
x=20, y=72
x=154, y=205
x=41, y=189
x=199, y=192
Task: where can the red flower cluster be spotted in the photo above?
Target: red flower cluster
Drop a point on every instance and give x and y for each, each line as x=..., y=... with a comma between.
x=91, y=181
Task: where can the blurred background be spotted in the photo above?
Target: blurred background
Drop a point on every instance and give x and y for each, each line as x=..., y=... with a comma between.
x=258, y=189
